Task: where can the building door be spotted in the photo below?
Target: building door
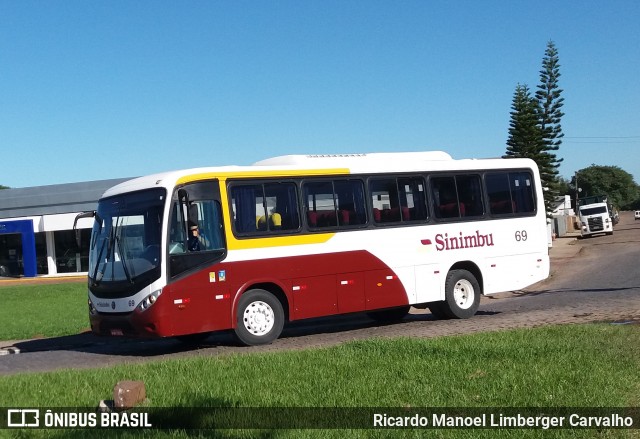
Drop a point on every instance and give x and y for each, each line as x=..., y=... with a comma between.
x=17, y=248
x=11, y=255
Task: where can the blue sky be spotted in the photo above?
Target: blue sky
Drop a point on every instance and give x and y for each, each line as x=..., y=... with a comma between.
x=94, y=90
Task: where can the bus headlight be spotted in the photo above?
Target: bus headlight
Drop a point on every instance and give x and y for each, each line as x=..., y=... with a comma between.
x=148, y=301
x=92, y=309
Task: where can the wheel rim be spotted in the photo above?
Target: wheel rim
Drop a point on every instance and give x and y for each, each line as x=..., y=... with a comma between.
x=259, y=318
x=464, y=294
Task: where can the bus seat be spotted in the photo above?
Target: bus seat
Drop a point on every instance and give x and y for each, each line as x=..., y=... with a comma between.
x=449, y=210
x=377, y=216
x=505, y=206
x=322, y=218
x=275, y=220
x=261, y=223
x=452, y=210
x=344, y=217
x=328, y=218
x=312, y=218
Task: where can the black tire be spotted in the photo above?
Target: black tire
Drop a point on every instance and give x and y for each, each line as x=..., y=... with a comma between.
x=389, y=315
x=437, y=310
x=462, y=295
x=259, y=318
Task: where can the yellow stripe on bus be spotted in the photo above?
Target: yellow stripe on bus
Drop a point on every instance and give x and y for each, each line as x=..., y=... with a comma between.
x=261, y=174
x=277, y=241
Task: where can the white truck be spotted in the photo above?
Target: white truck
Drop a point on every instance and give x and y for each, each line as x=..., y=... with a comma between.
x=595, y=216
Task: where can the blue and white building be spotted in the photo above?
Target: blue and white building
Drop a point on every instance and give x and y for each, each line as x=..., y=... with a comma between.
x=36, y=228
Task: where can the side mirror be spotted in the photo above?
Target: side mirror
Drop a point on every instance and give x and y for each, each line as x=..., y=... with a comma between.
x=90, y=214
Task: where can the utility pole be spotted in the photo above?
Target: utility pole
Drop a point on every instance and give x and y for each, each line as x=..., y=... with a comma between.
x=577, y=191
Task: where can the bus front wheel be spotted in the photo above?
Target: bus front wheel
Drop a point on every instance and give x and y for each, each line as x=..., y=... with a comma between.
x=462, y=295
x=259, y=318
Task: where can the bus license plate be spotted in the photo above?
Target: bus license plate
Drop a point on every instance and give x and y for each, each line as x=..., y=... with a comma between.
x=117, y=332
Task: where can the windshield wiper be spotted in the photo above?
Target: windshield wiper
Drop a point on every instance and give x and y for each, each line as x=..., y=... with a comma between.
x=96, y=281
x=123, y=261
x=110, y=249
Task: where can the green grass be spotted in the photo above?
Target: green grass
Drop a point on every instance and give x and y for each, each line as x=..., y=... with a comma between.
x=563, y=366
x=28, y=311
x=560, y=366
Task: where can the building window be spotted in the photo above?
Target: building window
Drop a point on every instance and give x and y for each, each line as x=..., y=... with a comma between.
x=70, y=258
x=41, y=253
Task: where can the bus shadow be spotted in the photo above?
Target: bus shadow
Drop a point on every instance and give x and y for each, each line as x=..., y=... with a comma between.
x=90, y=343
x=223, y=341
x=525, y=293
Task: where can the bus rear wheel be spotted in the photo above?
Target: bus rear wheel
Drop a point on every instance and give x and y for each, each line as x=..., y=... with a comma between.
x=259, y=318
x=462, y=295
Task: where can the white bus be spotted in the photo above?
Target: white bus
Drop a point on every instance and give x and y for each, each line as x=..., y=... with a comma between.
x=297, y=237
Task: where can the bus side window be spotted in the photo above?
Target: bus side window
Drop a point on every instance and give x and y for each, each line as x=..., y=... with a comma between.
x=265, y=208
x=499, y=193
x=384, y=199
x=445, y=198
x=412, y=198
x=334, y=203
x=320, y=205
x=196, y=234
x=248, y=208
x=177, y=231
x=470, y=195
x=282, y=206
x=510, y=192
x=350, y=199
x=522, y=192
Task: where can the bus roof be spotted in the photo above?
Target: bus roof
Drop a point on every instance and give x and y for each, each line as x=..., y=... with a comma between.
x=340, y=160
x=291, y=165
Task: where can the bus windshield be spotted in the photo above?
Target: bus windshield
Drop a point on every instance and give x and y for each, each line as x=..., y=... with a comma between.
x=125, y=242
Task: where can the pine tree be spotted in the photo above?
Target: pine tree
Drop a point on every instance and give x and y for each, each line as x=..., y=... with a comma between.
x=550, y=115
x=535, y=130
x=525, y=137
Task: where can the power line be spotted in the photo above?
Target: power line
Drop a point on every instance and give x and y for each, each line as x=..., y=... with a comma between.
x=601, y=137
x=605, y=141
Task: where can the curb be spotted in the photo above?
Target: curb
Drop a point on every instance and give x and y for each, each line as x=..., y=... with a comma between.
x=9, y=350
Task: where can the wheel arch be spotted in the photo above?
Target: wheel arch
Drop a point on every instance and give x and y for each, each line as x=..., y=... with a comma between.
x=472, y=268
x=269, y=286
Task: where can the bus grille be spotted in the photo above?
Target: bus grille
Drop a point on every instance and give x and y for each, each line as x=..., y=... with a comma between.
x=595, y=224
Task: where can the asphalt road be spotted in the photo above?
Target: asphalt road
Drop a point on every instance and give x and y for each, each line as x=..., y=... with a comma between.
x=598, y=281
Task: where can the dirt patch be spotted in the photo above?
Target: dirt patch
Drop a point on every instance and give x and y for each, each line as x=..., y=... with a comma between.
x=12, y=282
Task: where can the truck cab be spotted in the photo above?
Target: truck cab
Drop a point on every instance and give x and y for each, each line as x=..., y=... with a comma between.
x=595, y=216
